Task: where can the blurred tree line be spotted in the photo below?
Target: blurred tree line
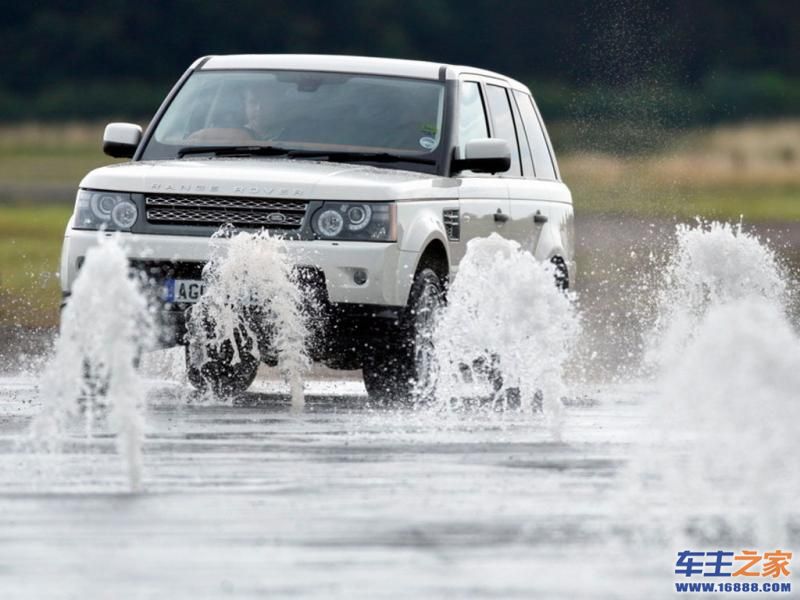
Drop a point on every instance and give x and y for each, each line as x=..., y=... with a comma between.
x=673, y=61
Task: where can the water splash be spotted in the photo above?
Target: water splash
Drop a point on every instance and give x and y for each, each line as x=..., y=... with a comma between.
x=506, y=331
x=723, y=421
x=92, y=375
x=713, y=264
x=246, y=271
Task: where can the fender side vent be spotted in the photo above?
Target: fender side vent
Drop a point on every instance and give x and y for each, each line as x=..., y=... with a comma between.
x=452, y=223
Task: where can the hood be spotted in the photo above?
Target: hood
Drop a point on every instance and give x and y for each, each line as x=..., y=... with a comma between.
x=270, y=177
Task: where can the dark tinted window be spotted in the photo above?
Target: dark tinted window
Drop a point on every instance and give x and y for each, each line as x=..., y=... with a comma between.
x=504, y=124
x=541, y=153
x=471, y=115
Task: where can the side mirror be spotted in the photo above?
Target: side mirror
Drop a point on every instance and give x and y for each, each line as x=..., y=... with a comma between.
x=120, y=140
x=485, y=155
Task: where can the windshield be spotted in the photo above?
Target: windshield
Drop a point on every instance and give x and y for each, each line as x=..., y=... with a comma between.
x=337, y=112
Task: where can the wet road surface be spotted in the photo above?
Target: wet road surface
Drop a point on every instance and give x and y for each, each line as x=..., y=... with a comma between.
x=342, y=500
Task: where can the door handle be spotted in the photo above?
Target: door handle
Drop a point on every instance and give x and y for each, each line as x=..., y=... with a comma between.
x=499, y=217
x=539, y=218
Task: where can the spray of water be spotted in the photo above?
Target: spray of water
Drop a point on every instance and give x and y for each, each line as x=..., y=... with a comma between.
x=723, y=422
x=251, y=293
x=713, y=264
x=92, y=376
x=506, y=331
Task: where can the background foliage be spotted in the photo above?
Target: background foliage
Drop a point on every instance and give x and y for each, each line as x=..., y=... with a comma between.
x=677, y=61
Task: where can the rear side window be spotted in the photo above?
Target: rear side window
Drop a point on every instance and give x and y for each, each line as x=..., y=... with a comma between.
x=471, y=115
x=504, y=124
x=542, y=161
x=524, y=147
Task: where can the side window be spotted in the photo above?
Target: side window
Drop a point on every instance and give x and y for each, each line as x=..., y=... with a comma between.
x=504, y=124
x=524, y=148
x=471, y=115
x=541, y=153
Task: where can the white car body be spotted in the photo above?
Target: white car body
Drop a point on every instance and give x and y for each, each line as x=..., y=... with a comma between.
x=435, y=212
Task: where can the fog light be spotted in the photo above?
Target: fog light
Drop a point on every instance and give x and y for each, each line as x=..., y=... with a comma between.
x=360, y=277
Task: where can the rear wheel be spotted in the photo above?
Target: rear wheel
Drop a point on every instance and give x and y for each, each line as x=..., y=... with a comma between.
x=561, y=273
x=403, y=369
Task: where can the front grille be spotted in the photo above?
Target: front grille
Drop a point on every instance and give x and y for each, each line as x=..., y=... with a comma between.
x=213, y=211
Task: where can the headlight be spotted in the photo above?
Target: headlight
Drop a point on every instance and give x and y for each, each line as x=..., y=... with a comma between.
x=375, y=221
x=329, y=223
x=110, y=210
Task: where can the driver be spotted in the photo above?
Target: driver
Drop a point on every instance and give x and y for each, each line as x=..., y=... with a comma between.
x=260, y=116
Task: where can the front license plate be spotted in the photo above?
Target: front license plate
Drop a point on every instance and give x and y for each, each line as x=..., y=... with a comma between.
x=183, y=290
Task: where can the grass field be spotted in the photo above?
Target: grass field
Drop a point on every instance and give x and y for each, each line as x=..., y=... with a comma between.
x=30, y=245
x=750, y=170
x=40, y=168
x=45, y=163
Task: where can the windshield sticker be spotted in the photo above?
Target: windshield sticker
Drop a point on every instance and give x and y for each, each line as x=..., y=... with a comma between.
x=429, y=128
x=427, y=142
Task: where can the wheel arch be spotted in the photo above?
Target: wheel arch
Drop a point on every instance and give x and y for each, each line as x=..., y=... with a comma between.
x=434, y=253
x=435, y=256
x=423, y=241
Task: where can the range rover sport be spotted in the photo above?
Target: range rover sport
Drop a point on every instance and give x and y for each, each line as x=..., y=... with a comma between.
x=377, y=172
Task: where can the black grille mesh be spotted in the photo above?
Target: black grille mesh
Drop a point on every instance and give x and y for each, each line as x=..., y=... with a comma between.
x=212, y=211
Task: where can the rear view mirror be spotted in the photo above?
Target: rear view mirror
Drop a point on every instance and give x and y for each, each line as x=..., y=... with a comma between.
x=485, y=155
x=120, y=140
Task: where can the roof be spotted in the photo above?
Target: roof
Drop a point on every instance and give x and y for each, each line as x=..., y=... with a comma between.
x=348, y=64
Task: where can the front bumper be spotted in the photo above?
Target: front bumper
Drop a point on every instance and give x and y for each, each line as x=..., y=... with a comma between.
x=389, y=270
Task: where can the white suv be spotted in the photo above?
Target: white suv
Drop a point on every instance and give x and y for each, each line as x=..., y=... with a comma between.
x=377, y=172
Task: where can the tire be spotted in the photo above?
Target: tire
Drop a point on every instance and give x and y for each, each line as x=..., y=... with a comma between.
x=402, y=369
x=560, y=273
x=219, y=375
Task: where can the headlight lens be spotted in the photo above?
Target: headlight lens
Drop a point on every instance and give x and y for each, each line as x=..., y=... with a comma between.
x=329, y=223
x=359, y=216
x=375, y=221
x=110, y=210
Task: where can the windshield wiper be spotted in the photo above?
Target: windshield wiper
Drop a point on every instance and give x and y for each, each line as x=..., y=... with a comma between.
x=332, y=155
x=235, y=150
x=341, y=156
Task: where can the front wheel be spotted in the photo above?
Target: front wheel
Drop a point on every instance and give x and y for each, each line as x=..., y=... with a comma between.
x=402, y=368
x=220, y=375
